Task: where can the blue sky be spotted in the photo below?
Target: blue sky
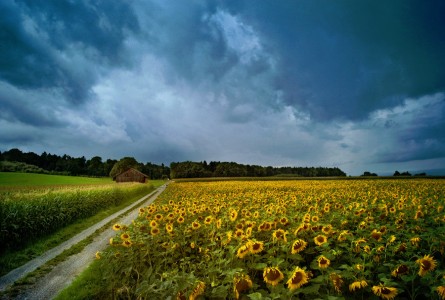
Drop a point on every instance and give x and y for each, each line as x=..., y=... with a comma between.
x=358, y=85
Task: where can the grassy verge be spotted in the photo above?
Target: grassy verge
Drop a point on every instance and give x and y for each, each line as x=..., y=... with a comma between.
x=13, y=259
x=88, y=285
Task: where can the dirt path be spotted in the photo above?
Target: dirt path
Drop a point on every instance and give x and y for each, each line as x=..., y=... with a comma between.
x=64, y=273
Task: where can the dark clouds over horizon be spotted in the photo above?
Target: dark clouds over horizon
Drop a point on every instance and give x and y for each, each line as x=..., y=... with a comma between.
x=358, y=85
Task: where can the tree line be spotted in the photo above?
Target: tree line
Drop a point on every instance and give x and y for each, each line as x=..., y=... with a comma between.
x=76, y=166
x=189, y=169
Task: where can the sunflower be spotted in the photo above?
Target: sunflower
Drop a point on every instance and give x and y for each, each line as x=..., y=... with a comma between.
x=337, y=282
x=97, y=255
x=279, y=235
x=327, y=229
x=384, y=292
x=155, y=231
x=272, y=276
x=298, y=246
x=441, y=291
x=320, y=240
x=415, y=241
x=127, y=243
x=380, y=249
x=218, y=223
x=208, y=220
x=248, y=231
x=297, y=279
x=284, y=221
x=239, y=226
x=125, y=236
x=117, y=227
x=169, y=228
x=195, y=225
x=342, y=236
x=256, y=214
x=233, y=215
x=419, y=214
x=159, y=217
x=154, y=224
x=111, y=241
x=180, y=219
x=315, y=219
x=358, y=284
x=392, y=239
x=241, y=284
x=255, y=246
x=198, y=290
x=427, y=263
x=400, y=270
x=242, y=251
x=377, y=235
x=323, y=262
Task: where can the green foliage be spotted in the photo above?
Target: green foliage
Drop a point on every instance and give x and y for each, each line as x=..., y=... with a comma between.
x=189, y=169
x=14, y=160
x=123, y=165
x=13, y=166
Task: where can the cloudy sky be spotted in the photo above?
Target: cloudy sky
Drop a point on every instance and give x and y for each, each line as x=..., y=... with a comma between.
x=359, y=85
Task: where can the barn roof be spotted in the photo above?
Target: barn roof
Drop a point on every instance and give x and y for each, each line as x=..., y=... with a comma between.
x=133, y=169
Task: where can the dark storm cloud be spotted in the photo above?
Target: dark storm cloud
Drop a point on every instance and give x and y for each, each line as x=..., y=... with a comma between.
x=344, y=59
x=259, y=82
x=39, y=39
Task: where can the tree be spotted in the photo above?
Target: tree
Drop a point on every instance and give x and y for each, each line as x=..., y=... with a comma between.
x=95, y=166
x=123, y=165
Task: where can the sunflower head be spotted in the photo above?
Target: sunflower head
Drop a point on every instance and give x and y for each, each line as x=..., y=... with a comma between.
x=125, y=236
x=155, y=231
x=255, y=246
x=384, y=292
x=357, y=285
x=241, y=284
x=279, y=235
x=426, y=263
x=242, y=251
x=127, y=243
x=320, y=240
x=297, y=279
x=198, y=290
x=272, y=275
x=323, y=262
x=400, y=270
x=441, y=291
x=117, y=227
x=336, y=281
x=377, y=235
x=233, y=215
x=195, y=225
x=298, y=246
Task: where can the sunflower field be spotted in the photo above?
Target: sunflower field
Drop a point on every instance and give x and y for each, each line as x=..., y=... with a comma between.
x=301, y=239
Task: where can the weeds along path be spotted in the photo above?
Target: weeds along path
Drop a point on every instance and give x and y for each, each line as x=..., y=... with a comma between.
x=63, y=274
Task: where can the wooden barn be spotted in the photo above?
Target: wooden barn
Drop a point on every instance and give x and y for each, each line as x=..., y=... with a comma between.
x=131, y=175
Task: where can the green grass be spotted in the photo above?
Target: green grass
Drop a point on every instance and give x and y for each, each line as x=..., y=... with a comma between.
x=31, y=179
x=90, y=284
x=13, y=259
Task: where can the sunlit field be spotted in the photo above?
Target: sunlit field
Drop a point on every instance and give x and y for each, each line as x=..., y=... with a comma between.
x=355, y=239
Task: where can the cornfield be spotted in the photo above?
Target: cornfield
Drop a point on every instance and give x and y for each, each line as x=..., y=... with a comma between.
x=308, y=239
x=28, y=213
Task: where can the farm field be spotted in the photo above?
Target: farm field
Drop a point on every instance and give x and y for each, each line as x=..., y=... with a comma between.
x=15, y=180
x=38, y=211
x=306, y=239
